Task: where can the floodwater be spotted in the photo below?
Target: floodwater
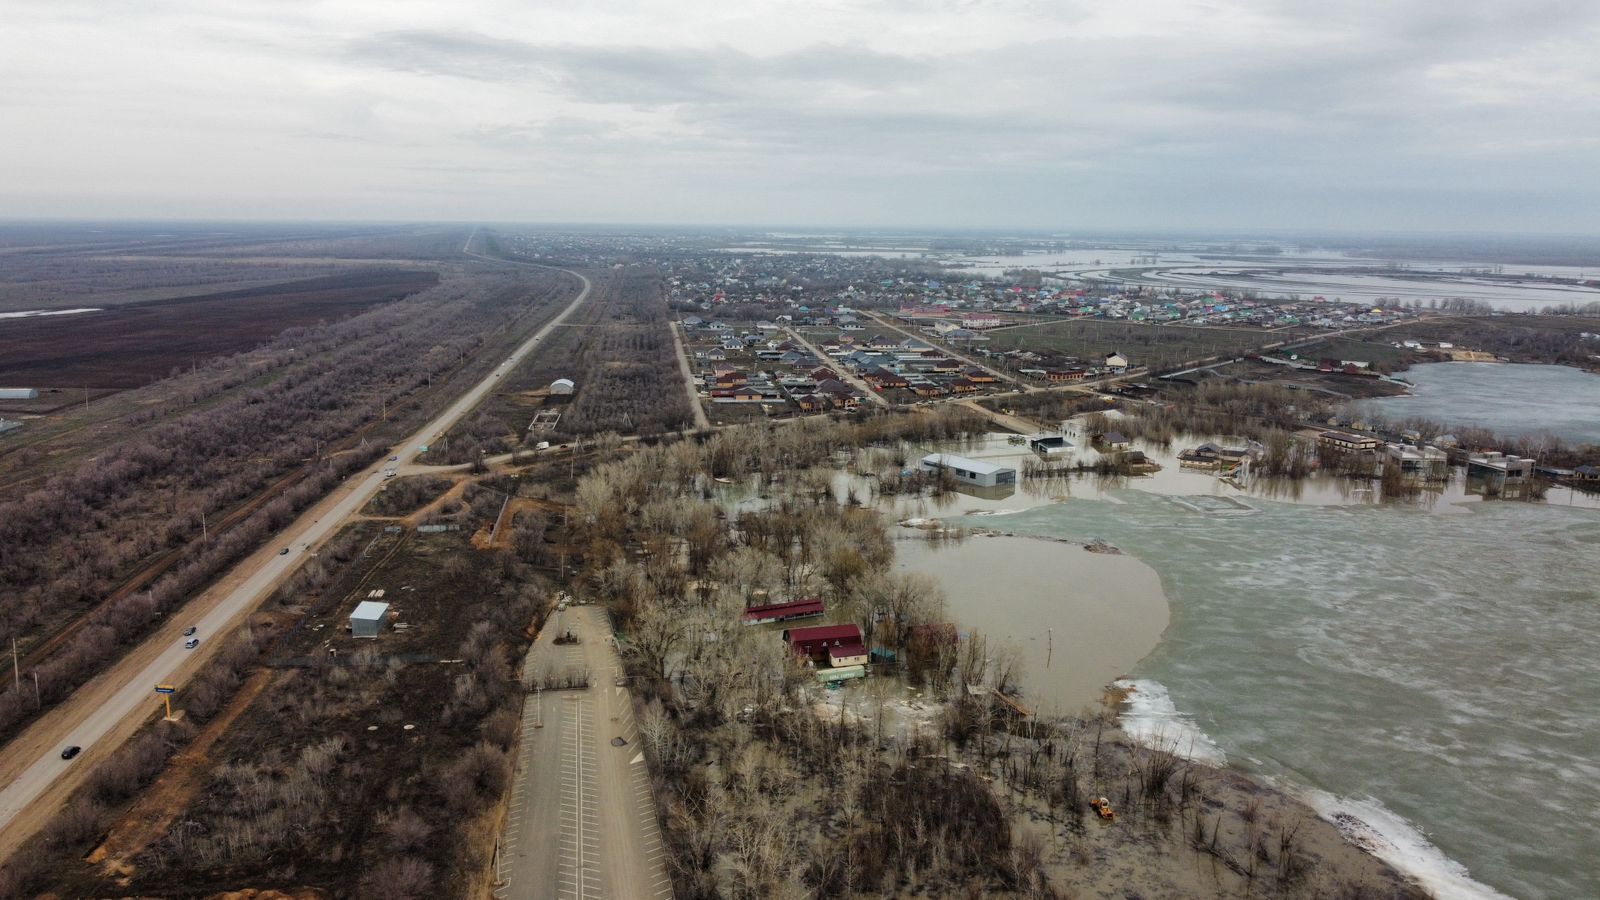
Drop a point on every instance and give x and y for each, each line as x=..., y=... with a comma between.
x=1078, y=620
x=1430, y=676
x=1515, y=400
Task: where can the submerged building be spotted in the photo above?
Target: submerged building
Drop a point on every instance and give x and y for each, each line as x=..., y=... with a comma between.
x=970, y=471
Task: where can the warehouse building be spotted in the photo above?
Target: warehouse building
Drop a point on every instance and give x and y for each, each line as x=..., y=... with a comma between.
x=19, y=393
x=970, y=471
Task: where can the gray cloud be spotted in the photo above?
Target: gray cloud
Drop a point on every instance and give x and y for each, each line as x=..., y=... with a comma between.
x=982, y=112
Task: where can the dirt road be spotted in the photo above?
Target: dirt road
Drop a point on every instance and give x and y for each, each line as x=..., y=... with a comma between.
x=826, y=360
x=110, y=708
x=701, y=421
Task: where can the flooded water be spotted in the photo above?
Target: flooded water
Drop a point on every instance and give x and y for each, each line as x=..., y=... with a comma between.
x=1432, y=676
x=1078, y=619
x=1510, y=399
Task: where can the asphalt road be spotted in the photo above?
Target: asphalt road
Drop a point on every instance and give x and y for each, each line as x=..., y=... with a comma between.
x=582, y=821
x=111, y=707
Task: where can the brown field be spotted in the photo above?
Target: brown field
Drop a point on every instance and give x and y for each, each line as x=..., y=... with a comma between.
x=131, y=345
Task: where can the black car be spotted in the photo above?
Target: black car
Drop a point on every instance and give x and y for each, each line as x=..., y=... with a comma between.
x=284, y=552
x=189, y=631
x=72, y=751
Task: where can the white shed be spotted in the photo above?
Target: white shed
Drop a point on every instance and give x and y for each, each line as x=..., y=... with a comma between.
x=562, y=386
x=19, y=393
x=367, y=620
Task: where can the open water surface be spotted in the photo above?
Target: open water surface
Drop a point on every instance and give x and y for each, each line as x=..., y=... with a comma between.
x=1513, y=400
x=1433, y=676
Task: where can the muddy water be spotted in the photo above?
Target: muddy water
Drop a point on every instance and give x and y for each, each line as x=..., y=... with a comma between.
x=1078, y=619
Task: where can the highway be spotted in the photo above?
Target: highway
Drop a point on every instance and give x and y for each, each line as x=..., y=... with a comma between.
x=106, y=711
x=582, y=819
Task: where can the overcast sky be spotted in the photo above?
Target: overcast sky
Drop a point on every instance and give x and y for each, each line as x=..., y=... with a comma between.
x=1478, y=115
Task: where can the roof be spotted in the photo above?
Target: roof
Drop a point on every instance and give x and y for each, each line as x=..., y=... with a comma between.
x=370, y=610
x=793, y=606
x=975, y=466
x=848, y=649
x=823, y=633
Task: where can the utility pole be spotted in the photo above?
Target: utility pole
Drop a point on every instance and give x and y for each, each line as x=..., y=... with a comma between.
x=37, y=703
x=205, y=534
x=16, y=671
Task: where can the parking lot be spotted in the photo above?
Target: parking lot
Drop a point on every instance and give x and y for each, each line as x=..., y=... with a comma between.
x=582, y=819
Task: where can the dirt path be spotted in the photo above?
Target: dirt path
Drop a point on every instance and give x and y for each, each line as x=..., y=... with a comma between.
x=701, y=421
x=1006, y=420
x=148, y=819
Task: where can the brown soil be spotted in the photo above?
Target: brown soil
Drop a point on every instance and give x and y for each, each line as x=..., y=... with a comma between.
x=150, y=816
x=132, y=345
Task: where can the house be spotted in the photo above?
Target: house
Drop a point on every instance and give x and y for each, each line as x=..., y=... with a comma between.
x=884, y=379
x=979, y=376
x=1586, y=473
x=1057, y=376
x=1113, y=440
x=1347, y=441
x=716, y=354
x=970, y=471
x=1050, y=446
x=813, y=641
x=808, y=608
x=1116, y=362
x=847, y=654
x=978, y=321
x=962, y=386
x=809, y=403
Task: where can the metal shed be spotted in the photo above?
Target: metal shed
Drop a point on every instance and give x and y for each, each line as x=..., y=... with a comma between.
x=367, y=620
x=562, y=386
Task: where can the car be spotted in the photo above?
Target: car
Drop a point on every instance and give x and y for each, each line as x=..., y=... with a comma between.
x=191, y=643
x=72, y=751
x=189, y=632
x=284, y=552
x=394, y=459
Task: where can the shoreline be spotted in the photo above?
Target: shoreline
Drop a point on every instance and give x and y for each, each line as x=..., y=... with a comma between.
x=1389, y=846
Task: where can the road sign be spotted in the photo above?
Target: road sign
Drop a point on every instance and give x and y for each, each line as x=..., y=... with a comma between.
x=165, y=689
